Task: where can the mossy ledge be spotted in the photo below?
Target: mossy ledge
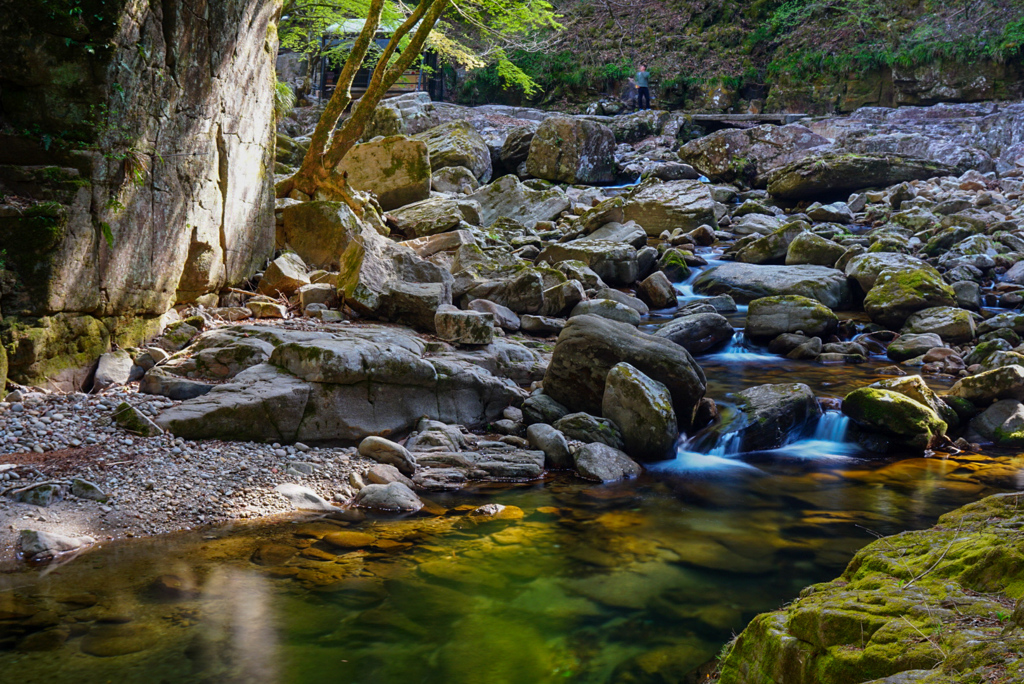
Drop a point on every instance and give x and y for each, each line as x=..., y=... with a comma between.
x=934, y=606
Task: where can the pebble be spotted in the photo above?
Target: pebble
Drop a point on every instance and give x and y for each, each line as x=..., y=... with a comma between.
x=156, y=484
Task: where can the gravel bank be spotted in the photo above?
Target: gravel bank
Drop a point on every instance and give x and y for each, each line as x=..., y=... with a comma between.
x=154, y=484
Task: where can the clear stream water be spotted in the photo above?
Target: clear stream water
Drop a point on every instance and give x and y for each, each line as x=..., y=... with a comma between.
x=636, y=582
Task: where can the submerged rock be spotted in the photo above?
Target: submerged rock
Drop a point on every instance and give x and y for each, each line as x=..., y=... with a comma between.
x=603, y=463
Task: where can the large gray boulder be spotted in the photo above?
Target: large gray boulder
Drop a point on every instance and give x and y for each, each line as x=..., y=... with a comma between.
x=114, y=368
x=866, y=268
x=953, y=325
x=699, y=332
x=769, y=317
x=318, y=232
x=657, y=206
x=434, y=215
x=642, y=408
x=589, y=347
x=508, y=198
x=553, y=443
x=602, y=463
x=839, y=174
x=747, y=282
x=614, y=262
x=406, y=114
x=1001, y=423
x=769, y=416
x=341, y=388
x=607, y=308
x=570, y=150
x=457, y=143
x=743, y=155
x=396, y=169
x=394, y=496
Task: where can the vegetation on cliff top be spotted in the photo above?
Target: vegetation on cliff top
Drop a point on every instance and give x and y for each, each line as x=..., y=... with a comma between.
x=690, y=44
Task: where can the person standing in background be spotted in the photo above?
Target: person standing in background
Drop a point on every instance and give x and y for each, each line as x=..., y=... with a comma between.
x=643, y=88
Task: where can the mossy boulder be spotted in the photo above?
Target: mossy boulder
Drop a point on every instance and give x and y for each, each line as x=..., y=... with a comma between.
x=642, y=409
x=897, y=294
x=894, y=415
x=658, y=206
x=772, y=248
x=1000, y=383
x=866, y=268
x=952, y=324
x=808, y=248
x=396, y=169
x=457, y=143
x=570, y=150
x=769, y=317
x=839, y=174
x=1002, y=423
x=925, y=604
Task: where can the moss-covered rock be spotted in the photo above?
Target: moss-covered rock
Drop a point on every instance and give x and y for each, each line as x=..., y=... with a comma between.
x=808, y=248
x=769, y=317
x=897, y=294
x=932, y=604
x=570, y=150
x=894, y=415
x=457, y=143
x=831, y=174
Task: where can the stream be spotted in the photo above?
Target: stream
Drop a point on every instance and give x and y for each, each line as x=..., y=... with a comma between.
x=635, y=582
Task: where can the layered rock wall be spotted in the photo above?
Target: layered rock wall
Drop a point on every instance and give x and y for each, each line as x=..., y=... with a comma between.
x=136, y=143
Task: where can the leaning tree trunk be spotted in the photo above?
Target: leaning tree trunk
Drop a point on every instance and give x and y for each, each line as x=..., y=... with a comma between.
x=326, y=150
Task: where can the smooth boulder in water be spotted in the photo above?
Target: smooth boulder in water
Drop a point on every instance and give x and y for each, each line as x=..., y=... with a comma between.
x=953, y=325
x=1001, y=423
x=911, y=346
x=772, y=415
x=642, y=408
x=588, y=347
x=769, y=317
x=747, y=282
x=897, y=294
x=603, y=463
x=699, y=332
x=895, y=416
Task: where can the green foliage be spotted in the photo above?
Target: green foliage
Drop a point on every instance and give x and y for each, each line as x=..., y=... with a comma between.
x=472, y=34
x=284, y=99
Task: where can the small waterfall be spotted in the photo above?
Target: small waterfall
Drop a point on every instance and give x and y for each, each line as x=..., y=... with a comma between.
x=831, y=427
x=738, y=349
x=727, y=445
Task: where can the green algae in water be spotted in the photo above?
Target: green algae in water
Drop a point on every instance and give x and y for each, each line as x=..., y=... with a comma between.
x=636, y=582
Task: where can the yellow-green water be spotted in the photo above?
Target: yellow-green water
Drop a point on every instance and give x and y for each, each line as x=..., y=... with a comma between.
x=636, y=582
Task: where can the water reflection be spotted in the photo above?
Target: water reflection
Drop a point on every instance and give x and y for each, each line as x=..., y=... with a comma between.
x=633, y=582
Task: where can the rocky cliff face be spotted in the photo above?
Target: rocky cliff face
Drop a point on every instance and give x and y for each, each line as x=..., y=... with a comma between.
x=136, y=144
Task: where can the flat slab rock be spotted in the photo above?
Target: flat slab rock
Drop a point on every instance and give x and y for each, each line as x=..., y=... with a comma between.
x=341, y=387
